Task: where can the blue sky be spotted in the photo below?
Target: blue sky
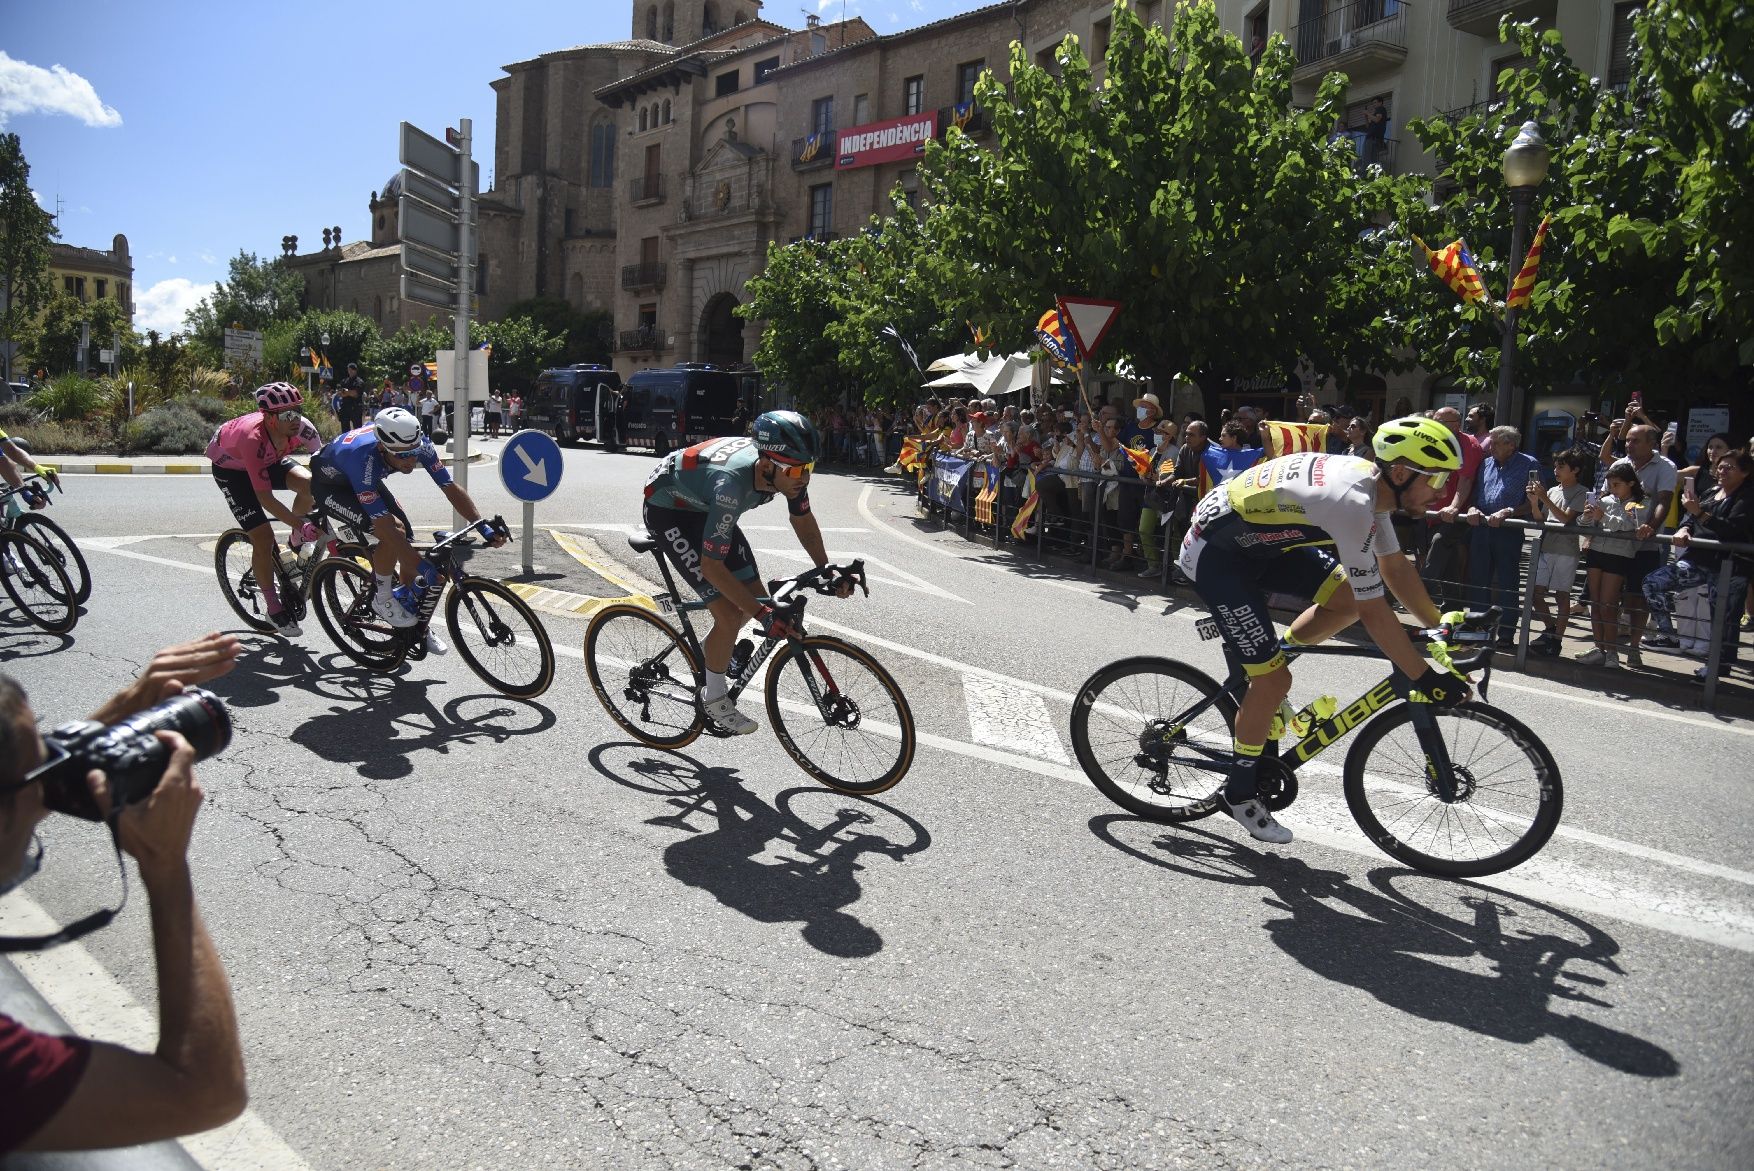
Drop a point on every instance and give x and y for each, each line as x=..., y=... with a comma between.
x=196, y=129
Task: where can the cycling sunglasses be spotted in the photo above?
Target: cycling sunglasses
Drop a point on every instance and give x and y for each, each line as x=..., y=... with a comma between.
x=1437, y=479
x=791, y=471
x=292, y=416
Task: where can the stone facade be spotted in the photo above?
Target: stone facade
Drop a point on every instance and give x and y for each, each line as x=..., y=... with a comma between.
x=94, y=274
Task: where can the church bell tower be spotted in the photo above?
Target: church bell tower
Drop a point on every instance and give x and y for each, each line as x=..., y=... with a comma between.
x=679, y=22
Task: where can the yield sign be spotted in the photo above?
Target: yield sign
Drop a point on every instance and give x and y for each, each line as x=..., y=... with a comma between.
x=1088, y=319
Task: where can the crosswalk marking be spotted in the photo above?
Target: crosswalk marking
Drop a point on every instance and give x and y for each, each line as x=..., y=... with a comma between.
x=1012, y=718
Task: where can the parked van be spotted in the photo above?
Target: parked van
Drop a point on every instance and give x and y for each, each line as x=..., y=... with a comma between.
x=569, y=402
x=686, y=404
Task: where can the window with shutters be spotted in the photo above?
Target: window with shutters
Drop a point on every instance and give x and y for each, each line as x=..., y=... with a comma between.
x=967, y=74
x=1620, y=46
x=822, y=115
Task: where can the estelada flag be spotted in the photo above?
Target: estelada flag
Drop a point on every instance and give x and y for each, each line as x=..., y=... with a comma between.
x=1456, y=268
x=911, y=458
x=1291, y=438
x=1056, y=337
x=1219, y=465
x=1523, y=287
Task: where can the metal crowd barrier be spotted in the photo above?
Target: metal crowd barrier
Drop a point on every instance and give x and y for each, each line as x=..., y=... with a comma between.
x=1094, y=525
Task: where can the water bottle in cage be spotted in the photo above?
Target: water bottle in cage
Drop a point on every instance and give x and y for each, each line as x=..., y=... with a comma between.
x=739, y=659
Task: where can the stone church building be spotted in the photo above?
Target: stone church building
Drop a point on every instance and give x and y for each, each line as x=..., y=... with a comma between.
x=648, y=175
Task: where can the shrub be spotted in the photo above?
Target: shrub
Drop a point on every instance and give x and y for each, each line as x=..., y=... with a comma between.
x=207, y=382
x=72, y=397
x=47, y=438
x=172, y=429
x=18, y=414
x=213, y=410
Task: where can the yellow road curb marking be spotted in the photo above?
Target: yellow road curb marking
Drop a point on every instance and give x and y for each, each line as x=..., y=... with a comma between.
x=114, y=469
x=578, y=605
x=576, y=550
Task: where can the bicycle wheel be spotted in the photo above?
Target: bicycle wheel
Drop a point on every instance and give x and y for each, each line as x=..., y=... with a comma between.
x=1508, y=793
x=56, y=540
x=233, y=560
x=500, y=637
x=341, y=592
x=1135, y=742
x=644, y=675
x=840, y=715
x=36, y=583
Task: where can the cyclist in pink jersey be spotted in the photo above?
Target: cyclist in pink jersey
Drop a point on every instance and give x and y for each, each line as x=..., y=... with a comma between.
x=251, y=462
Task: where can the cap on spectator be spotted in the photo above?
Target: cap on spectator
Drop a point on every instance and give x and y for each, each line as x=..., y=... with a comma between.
x=1342, y=411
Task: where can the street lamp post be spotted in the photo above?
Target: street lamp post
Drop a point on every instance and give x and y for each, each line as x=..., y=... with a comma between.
x=324, y=342
x=304, y=359
x=1525, y=168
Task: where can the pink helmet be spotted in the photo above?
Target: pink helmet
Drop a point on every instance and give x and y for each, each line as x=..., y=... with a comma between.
x=279, y=396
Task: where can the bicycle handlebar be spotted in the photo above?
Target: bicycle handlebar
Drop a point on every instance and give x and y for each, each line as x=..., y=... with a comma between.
x=460, y=538
x=824, y=579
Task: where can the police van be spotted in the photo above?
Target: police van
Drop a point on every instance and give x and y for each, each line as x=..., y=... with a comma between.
x=574, y=403
x=686, y=404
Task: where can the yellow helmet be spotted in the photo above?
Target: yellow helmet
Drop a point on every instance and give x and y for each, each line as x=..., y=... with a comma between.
x=1424, y=443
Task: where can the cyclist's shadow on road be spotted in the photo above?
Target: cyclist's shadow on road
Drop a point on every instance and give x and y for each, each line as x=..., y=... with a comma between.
x=793, y=861
x=1408, y=951
x=376, y=723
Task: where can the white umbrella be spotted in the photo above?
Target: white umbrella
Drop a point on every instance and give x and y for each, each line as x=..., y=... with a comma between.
x=953, y=364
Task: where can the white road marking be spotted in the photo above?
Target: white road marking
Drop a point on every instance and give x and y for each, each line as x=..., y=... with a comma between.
x=95, y=1005
x=902, y=579
x=1002, y=715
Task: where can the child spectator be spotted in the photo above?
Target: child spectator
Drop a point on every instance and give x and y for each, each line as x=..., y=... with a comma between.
x=1556, y=572
x=1619, y=510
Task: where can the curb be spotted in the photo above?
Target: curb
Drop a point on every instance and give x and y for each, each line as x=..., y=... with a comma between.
x=104, y=468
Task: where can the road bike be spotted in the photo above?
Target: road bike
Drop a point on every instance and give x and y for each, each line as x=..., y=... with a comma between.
x=837, y=712
x=234, y=562
x=45, y=531
x=493, y=629
x=1460, y=791
x=35, y=580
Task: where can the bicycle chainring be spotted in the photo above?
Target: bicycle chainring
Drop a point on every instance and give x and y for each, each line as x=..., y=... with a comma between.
x=1277, y=784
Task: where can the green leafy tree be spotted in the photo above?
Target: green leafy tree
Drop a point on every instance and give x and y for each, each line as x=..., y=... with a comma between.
x=1641, y=281
x=898, y=286
x=586, y=334
x=350, y=336
x=25, y=232
x=256, y=294
x=395, y=353
x=1185, y=186
x=522, y=349
x=56, y=340
x=795, y=298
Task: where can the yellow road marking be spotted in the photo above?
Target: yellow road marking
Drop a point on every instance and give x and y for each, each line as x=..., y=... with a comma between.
x=576, y=550
x=577, y=605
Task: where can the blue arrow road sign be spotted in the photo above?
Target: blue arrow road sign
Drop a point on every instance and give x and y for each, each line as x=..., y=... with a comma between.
x=529, y=466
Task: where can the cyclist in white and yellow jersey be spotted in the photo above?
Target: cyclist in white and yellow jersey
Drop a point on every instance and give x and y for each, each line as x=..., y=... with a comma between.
x=1316, y=526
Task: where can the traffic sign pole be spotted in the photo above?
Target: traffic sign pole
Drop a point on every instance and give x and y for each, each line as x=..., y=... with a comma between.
x=529, y=536
x=465, y=280
x=530, y=465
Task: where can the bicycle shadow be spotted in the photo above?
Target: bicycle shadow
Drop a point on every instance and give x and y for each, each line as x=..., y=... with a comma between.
x=23, y=639
x=1410, y=952
x=376, y=723
x=771, y=863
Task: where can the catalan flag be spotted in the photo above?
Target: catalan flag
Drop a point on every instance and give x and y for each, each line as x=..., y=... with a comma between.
x=1523, y=287
x=982, y=338
x=1032, y=501
x=1456, y=268
x=1291, y=438
x=1057, y=339
x=911, y=459
x=1141, y=458
x=812, y=147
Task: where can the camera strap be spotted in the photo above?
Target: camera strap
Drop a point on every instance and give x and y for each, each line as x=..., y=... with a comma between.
x=79, y=928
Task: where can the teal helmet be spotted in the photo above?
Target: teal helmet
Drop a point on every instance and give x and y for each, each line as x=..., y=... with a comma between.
x=788, y=436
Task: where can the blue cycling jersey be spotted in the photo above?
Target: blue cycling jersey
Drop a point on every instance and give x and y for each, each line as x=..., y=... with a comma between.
x=357, y=456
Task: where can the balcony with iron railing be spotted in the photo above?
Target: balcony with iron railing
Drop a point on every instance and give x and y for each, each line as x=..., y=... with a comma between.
x=1462, y=113
x=1370, y=152
x=1481, y=17
x=646, y=190
x=1362, y=39
x=643, y=276
x=975, y=121
x=815, y=150
x=647, y=339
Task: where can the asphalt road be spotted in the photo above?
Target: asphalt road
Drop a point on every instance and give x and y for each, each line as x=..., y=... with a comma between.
x=465, y=930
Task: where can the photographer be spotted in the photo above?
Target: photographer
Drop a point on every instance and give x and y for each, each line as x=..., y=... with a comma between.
x=68, y=1093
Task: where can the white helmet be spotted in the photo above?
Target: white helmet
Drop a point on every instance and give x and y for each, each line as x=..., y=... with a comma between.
x=397, y=430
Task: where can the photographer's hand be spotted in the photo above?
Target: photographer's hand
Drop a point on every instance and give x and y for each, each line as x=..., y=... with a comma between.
x=171, y=670
x=155, y=832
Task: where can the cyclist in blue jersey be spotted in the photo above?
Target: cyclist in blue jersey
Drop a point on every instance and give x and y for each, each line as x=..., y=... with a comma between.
x=693, y=500
x=349, y=479
x=1316, y=526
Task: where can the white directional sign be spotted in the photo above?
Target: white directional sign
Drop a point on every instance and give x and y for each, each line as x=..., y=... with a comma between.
x=426, y=153
x=425, y=224
x=243, y=345
x=447, y=375
x=438, y=296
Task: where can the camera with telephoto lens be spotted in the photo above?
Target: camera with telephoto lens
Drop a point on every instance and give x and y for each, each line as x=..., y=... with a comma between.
x=131, y=757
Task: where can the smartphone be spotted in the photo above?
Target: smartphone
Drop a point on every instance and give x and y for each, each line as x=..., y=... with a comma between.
x=1590, y=499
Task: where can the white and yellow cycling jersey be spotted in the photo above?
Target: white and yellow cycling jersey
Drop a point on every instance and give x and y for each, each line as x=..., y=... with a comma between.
x=1293, y=502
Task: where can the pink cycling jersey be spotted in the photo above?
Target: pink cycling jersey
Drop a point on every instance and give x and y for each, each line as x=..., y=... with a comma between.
x=244, y=445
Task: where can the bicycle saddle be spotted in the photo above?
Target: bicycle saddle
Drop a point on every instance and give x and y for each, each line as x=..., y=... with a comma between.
x=642, y=542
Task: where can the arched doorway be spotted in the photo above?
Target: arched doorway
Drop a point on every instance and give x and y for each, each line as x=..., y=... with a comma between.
x=721, y=332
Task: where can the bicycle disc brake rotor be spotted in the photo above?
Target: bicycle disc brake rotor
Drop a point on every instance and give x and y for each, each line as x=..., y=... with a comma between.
x=1463, y=778
x=841, y=711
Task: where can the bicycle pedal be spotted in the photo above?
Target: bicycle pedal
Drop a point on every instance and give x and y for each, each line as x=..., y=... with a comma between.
x=712, y=729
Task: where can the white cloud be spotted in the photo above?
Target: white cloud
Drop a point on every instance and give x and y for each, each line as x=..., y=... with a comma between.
x=171, y=259
x=42, y=200
x=31, y=89
x=916, y=5
x=164, y=305
x=209, y=258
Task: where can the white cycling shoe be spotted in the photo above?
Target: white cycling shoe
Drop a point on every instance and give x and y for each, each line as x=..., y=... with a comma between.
x=1255, y=817
x=386, y=606
x=435, y=645
x=723, y=712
